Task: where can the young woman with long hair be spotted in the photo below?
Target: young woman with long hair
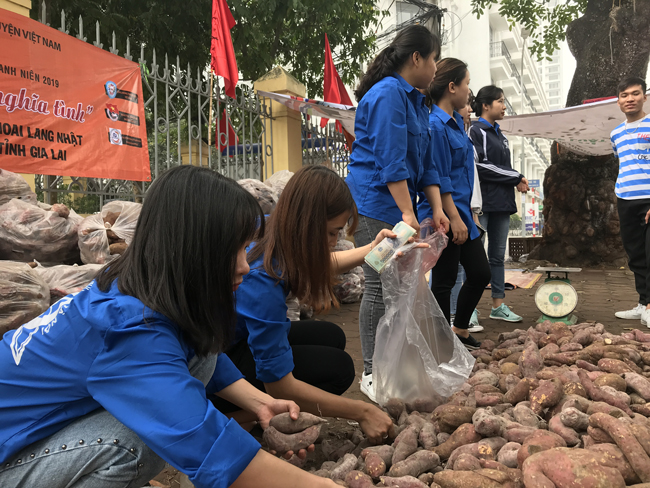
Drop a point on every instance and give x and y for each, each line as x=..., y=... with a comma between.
x=110, y=383
x=454, y=159
x=391, y=159
x=498, y=183
x=303, y=361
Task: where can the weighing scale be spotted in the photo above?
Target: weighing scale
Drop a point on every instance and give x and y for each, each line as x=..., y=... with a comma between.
x=556, y=298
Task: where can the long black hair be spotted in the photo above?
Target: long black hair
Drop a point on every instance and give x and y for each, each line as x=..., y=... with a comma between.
x=182, y=260
x=486, y=95
x=450, y=70
x=411, y=39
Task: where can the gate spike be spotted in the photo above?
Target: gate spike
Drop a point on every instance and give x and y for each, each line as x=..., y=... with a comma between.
x=97, y=43
x=127, y=55
x=81, y=30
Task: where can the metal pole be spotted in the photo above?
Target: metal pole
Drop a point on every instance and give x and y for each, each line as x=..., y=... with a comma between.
x=210, y=117
x=523, y=140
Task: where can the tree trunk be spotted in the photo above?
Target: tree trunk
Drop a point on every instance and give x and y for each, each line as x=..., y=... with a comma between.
x=581, y=224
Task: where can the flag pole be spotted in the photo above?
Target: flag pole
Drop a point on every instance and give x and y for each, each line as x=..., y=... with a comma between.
x=210, y=117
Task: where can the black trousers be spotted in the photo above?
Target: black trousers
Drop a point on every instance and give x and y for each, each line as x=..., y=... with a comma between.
x=319, y=359
x=471, y=254
x=635, y=234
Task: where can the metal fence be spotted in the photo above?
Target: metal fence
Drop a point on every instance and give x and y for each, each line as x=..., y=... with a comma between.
x=324, y=145
x=177, y=112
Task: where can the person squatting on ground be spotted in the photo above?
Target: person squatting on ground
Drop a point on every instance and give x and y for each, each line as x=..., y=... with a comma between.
x=303, y=361
x=631, y=144
x=498, y=181
x=454, y=159
x=391, y=159
x=111, y=382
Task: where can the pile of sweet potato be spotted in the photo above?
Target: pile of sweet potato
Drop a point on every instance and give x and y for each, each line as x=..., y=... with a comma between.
x=552, y=406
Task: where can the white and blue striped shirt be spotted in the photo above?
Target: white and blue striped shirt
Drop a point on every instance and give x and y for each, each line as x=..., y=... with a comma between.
x=631, y=145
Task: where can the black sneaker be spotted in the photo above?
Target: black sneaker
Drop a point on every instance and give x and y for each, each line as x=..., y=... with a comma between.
x=470, y=343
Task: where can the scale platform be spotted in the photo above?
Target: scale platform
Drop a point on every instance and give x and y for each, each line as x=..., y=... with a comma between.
x=556, y=299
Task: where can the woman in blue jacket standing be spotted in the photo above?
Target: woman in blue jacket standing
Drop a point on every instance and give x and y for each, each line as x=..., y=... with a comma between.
x=391, y=159
x=498, y=183
x=109, y=383
x=454, y=159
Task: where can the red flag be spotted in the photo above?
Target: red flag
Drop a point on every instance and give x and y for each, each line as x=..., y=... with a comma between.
x=221, y=51
x=225, y=134
x=333, y=90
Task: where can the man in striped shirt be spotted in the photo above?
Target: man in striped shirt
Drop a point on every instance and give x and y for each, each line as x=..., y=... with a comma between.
x=631, y=144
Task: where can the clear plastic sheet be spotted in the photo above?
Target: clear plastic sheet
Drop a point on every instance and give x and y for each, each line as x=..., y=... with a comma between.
x=13, y=185
x=38, y=232
x=64, y=280
x=417, y=355
x=116, y=220
x=23, y=295
x=266, y=195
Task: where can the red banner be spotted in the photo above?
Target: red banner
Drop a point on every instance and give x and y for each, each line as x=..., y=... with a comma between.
x=67, y=107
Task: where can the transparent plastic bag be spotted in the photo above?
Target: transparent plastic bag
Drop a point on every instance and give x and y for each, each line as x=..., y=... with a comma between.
x=279, y=180
x=266, y=195
x=13, y=185
x=293, y=308
x=417, y=355
x=38, y=232
x=104, y=236
x=23, y=295
x=64, y=280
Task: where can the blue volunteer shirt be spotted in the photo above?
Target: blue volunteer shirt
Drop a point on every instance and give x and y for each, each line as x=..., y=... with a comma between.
x=392, y=144
x=106, y=349
x=632, y=147
x=454, y=159
x=262, y=321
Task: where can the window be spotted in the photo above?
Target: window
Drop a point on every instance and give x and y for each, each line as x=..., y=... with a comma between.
x=553, y=69
x=554, y=101
x=554, y=93
x=405, y=12
x=552, y=86
x=553, y=77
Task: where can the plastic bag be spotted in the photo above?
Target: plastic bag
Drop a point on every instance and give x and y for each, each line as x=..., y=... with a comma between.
x=23, y=295
x=13, y=185
x=33, y=232
x=64, y=280
x=279, y=180
x=104, y=236
x=265, y=195
x=293, y=308
x=417, y=355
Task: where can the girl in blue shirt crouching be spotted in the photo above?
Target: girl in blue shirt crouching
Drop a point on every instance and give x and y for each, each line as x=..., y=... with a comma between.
x=303, y=361
x=109, y=383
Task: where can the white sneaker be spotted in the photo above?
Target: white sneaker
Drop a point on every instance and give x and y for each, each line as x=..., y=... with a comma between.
x=634, y=314
x=366, y=386
x=645, y=317
x=473, y=322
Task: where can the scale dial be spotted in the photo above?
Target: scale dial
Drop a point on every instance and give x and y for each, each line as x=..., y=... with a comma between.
x=556, y=298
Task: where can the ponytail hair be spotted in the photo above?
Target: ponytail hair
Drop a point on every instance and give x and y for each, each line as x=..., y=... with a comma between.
x=486, y=95
x=450, y=70
x=412, y=39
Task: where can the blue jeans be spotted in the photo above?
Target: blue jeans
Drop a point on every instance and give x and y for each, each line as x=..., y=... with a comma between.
x=94, y=451
x=372, y=303
x=497, y=225
x=460, y=279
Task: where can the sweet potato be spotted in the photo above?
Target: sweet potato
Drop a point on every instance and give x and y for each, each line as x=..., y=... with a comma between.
x=599, y=436
x=613, y=457
x=484, y=378
x=395, y=407
x=450, y=417
x=514, y=474
x=619, y=395
x=281, y=443
x=530, y=361
x=427, y=405
x=525, y=416
x=641, y=409
x=344, y=466
x=625, y=440
x=405, y=444
x=487, y=399
x=575, y=419
x=576, y=401
x=403, y=482
x=613, y=366
x=564, y=467
x=586, y=365
x=442, y=437
x=642, y=434
x=548, y=394
x=508, y=454
x=427, y=436
x=611, y=379
x=466, y=462
x=482, y=478
x=639, y=384
x=487, y=424
x=375, y=465
x=519, y=434
x=598, y=395
x=518, y=393
x=489, y=448
x=384, y=452
x=465, y=434
x=415, y=464
x=541, y=440
x=471, y=449
x=335, y=449
x=603, y=407
x=637, y=399
x=357, y=479
x=569, y=435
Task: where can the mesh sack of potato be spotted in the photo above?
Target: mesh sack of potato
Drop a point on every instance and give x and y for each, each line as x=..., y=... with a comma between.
x=23, y=295
x=265, y=195
x=106, y=235
x=44, y=233
x=13, y=185
x=64, y=280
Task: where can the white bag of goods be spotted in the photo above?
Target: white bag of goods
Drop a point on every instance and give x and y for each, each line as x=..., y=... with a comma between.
x=23, y=295
x=12, y=185
x=64, y=280
x=279, y=180
x=265, y=195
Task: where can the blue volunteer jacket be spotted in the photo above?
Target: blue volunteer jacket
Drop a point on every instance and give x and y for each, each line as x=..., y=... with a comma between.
x=106, y=349
x=393, y=143
x=454, y=159
x=262, y=321
x=498, y=179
